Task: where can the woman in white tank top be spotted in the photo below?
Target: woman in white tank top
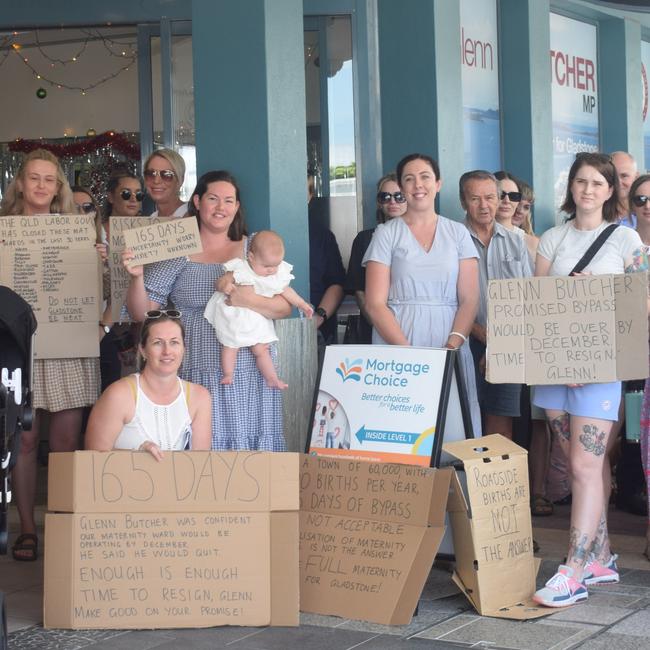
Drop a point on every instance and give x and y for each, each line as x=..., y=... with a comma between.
x=153, y=410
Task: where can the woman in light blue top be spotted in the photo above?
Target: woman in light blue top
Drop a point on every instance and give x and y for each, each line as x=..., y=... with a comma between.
x=422, y=275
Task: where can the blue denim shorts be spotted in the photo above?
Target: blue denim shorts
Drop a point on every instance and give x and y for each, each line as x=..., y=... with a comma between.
x=599, y=401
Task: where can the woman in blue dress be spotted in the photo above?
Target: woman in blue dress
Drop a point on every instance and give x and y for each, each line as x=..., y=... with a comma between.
x=422, y=275
x=245, y=414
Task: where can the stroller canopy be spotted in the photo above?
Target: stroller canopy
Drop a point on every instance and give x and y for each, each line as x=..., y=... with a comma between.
x=17, y=325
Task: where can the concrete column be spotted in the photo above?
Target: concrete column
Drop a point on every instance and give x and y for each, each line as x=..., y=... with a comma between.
x=525, y=80
x=421, y=94
x=249, y=93
x=619, y=72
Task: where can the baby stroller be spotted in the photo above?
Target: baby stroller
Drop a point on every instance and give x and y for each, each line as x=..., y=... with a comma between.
x=17, y=327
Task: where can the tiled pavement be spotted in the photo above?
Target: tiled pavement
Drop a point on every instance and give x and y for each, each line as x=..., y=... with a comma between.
x=615, y=617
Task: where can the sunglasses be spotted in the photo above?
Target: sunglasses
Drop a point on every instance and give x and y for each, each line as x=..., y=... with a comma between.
x=158, y=313
x=127, y=194
x=165, y=174
x=640, y=200
x=86, y=208
x=385, y=197
x=515, y=197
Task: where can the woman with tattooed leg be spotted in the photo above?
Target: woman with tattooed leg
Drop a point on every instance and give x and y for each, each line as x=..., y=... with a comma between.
x=582, y=415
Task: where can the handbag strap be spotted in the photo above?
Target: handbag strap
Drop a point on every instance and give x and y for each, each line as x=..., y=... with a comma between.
x=594, y=248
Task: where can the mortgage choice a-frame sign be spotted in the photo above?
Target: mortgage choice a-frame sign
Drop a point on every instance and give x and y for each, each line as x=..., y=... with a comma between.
x=388, y=403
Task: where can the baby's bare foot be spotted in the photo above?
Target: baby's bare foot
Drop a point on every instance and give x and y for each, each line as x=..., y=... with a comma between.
x=226, y=379
x=277, y=383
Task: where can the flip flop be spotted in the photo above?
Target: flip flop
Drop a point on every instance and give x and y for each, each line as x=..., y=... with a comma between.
x=25, y=548
x=540, y=506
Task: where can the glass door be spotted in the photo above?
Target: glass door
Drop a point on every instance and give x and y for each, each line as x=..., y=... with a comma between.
x=166, y=90
x=331, y=150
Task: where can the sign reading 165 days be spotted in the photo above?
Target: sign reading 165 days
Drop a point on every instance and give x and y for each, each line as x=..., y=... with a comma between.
x=162, y=241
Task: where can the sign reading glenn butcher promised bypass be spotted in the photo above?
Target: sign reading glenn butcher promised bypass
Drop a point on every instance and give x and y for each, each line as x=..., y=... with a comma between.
x=383, y=403
x=563, y=330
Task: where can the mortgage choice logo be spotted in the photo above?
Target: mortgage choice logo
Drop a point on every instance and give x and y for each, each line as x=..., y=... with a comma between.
x=380, y=372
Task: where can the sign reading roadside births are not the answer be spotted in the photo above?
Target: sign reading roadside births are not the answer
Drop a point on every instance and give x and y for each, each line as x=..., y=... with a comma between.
x=382, y=403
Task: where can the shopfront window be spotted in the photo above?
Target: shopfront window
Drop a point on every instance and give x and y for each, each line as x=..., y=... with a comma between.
x=480, y=84
x=330, y=122
x=574, y=85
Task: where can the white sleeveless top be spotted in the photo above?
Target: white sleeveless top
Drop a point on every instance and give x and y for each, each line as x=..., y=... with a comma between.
x=168, y=425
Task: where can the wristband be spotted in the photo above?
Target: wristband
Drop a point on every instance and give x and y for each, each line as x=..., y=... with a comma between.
x=462, y=336
x=319, y=311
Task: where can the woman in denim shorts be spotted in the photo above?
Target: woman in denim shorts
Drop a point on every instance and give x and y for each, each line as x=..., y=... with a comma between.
x=582, y=415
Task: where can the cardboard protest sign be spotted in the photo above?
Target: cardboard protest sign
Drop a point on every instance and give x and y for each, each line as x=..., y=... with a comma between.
x=492, y=530
x=163, y=241
x=564, y=330
x=388, y=403
x=196, y=540
x=369, y=533
x=119, y=276
x=51, y=261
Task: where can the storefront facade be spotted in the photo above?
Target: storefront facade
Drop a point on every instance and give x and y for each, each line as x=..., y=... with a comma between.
x=347, y=87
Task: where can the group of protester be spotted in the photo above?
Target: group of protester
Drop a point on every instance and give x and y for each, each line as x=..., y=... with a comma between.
x=419, y=278
x=425, y=283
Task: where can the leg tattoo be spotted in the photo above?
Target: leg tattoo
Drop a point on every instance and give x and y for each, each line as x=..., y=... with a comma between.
x=592, y=439
x=560, y=426
x=599, y=539
x=577, y=546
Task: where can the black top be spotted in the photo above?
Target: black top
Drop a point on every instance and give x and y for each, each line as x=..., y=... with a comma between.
x=356, y=280
x=325, y=269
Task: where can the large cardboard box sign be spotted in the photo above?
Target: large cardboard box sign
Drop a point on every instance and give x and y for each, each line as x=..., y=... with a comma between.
x=198, y=539
x=369, y=533
x=564, y=330
x=492, y=531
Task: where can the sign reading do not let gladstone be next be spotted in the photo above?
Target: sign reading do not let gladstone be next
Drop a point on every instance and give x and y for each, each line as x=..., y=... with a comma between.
x=562, y=330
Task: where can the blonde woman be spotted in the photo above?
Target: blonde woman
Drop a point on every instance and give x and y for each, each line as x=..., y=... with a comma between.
x=61, y=386
x=164, y=173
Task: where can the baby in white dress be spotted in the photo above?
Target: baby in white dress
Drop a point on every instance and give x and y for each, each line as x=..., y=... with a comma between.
x=238, y=327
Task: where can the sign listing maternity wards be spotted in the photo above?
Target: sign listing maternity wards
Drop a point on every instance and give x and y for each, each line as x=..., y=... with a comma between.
x=379, y=403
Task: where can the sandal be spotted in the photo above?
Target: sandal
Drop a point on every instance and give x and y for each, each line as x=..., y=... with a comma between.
x=540, y=506
x=25, y=548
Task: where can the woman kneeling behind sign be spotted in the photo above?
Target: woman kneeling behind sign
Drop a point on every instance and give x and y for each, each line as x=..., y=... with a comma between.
x=153, y=410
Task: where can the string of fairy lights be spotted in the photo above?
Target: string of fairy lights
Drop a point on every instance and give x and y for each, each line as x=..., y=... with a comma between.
x=125, y=51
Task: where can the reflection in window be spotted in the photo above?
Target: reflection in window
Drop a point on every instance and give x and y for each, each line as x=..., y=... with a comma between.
x=330, y=123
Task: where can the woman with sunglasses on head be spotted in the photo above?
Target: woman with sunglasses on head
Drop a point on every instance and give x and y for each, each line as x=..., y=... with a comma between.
x=246, y=414
x=61, y=386
x=153, y=410
x=164, y=173
x=422, y=275
x=391, y=203
x=639, y=205
x=582, y=415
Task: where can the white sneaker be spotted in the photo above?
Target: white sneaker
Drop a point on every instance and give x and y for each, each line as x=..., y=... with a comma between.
x=561, y=590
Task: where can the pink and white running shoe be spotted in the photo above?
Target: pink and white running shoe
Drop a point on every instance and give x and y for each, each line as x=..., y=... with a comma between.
x=561, y=590
x=597, y=573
